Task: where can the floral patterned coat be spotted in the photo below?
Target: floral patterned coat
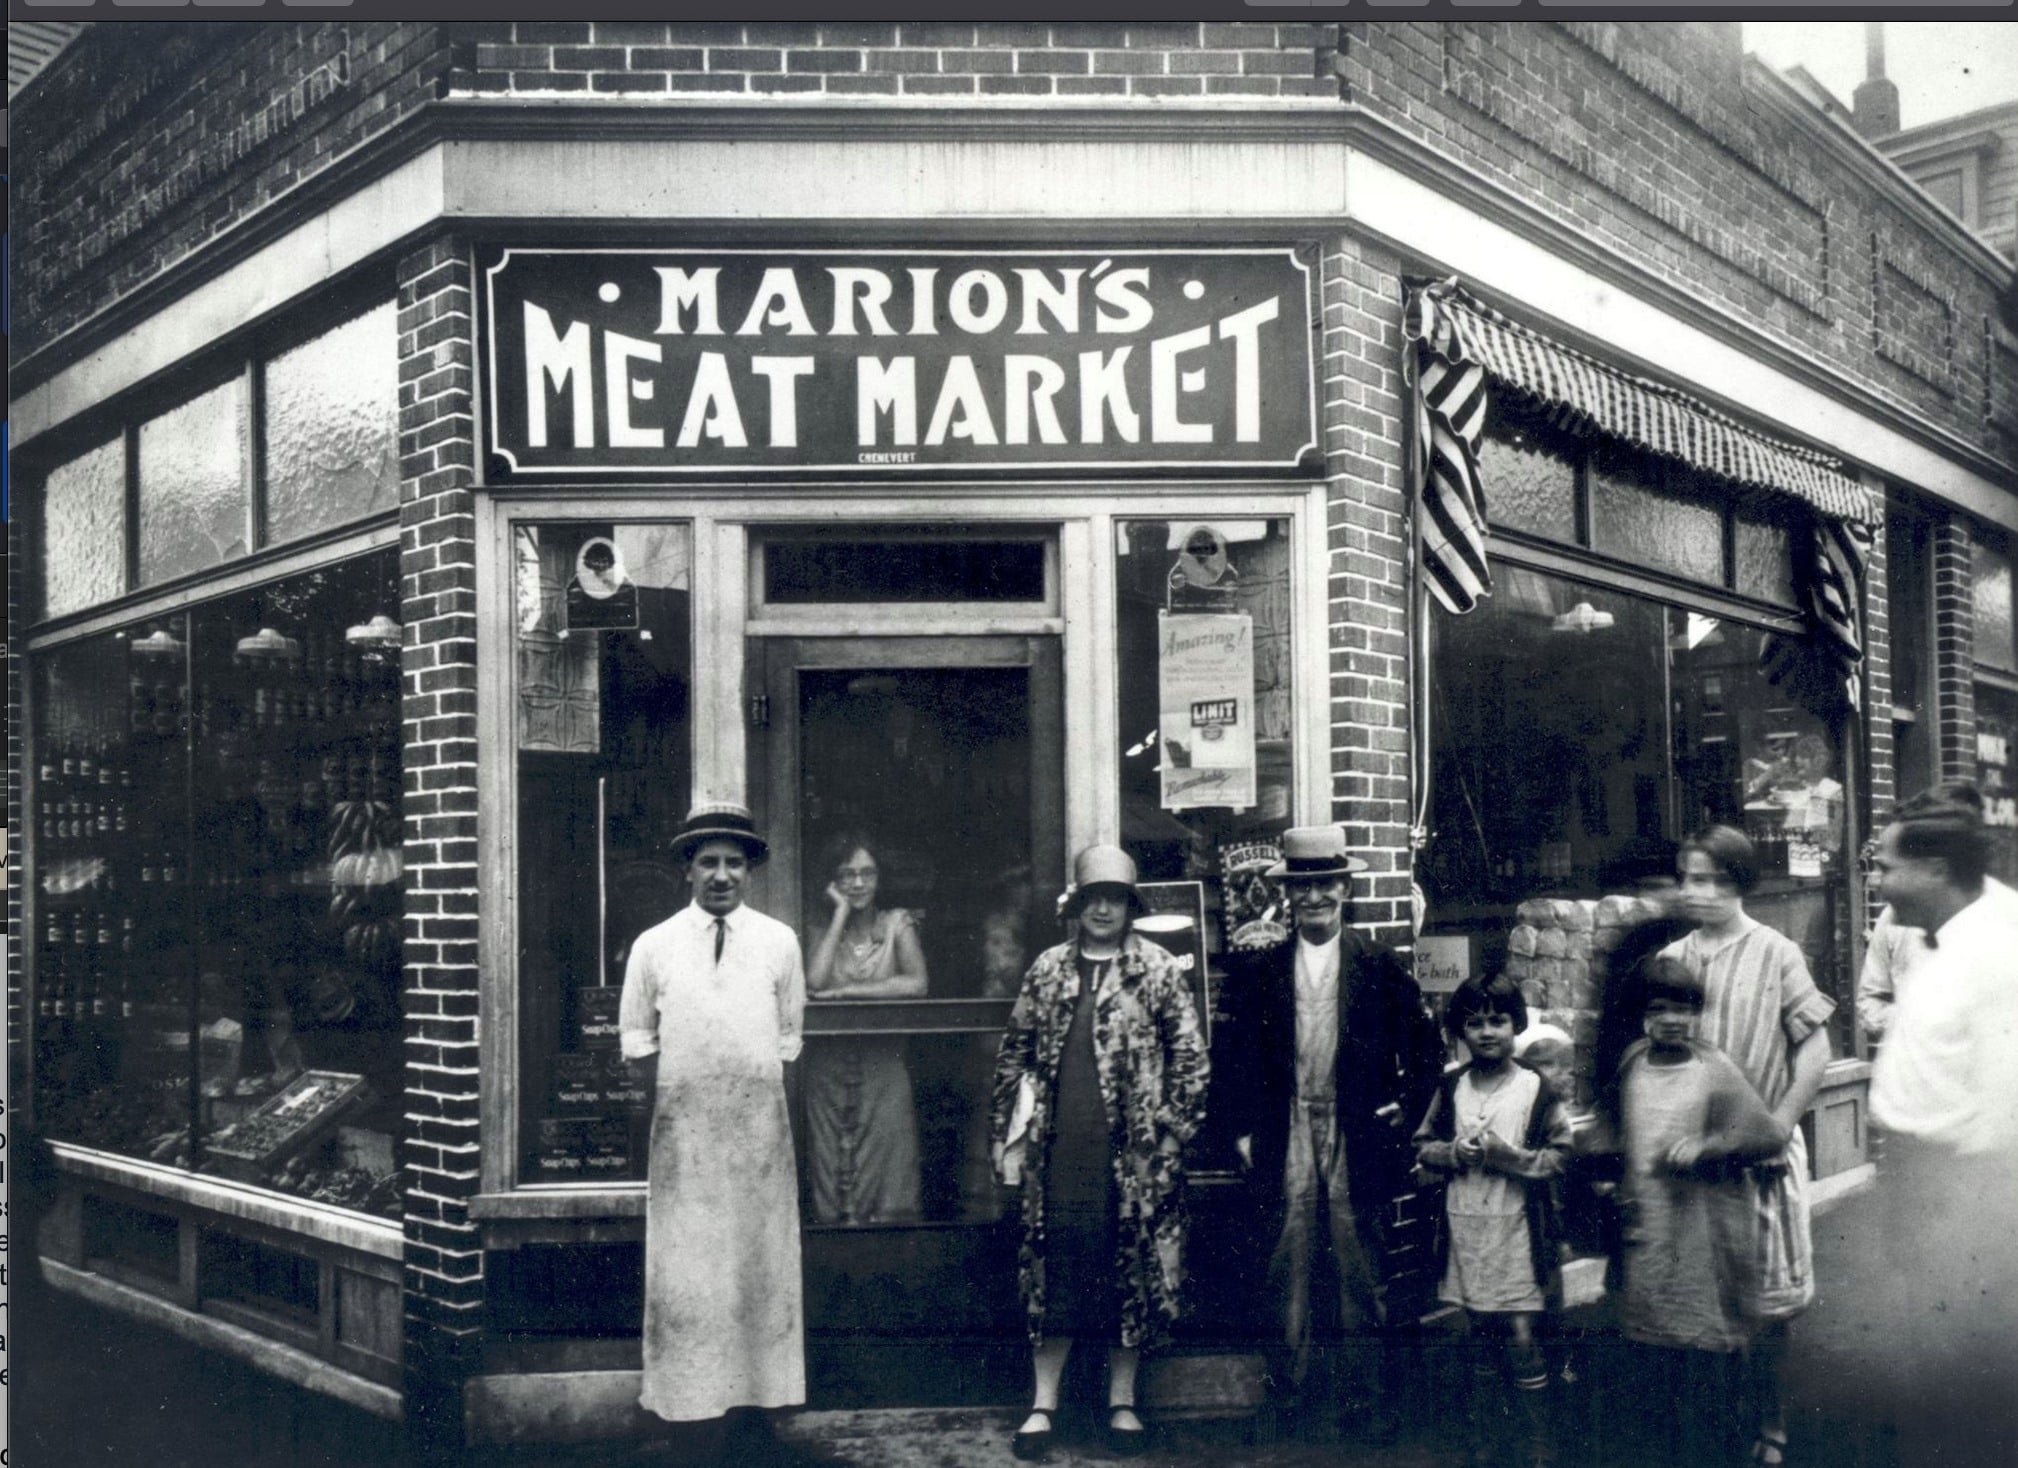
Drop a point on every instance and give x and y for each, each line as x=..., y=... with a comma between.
x=1149, y=1053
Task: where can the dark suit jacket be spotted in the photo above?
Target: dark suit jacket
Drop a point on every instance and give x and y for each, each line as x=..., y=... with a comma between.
x=1389, y=1051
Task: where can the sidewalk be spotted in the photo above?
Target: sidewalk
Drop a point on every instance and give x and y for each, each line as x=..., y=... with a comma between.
x=90, y=1389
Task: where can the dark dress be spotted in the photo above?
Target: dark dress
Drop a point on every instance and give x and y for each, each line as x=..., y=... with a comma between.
x=1079, y=1247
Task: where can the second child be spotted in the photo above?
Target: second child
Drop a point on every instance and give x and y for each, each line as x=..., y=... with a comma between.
x=1496, y=1133
x=1689, y=1123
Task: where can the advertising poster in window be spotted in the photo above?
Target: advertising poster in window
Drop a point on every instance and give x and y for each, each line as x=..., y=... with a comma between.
x=1205, y=673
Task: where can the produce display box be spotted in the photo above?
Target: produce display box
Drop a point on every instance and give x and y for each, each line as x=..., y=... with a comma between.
x=290, y=1121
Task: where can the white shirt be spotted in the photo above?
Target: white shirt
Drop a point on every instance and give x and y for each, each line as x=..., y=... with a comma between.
x=1316, y=1019
x=1894, y=953
x=1945, y=1073
x=679, y=1002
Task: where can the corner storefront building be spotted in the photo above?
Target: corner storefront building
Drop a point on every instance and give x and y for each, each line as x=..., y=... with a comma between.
x=444, y=452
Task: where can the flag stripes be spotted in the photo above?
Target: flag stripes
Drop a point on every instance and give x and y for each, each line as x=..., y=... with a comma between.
x=1450, y=410
x=1822, y=666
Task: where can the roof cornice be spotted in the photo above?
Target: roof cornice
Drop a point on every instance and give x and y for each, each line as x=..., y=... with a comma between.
x=1887, y=177
x=1348, y=125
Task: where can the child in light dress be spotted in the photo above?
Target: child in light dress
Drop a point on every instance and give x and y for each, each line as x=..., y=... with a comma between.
x=1496, y=1134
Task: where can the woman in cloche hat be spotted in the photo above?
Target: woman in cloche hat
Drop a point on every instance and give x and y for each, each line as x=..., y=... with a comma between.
x=1103, y=1043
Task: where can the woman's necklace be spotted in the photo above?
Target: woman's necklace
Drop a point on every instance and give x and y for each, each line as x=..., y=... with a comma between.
x=860, y=947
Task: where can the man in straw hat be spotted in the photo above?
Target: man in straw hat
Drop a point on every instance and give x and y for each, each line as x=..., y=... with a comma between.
x=1331, y=1059
x=712, y=1003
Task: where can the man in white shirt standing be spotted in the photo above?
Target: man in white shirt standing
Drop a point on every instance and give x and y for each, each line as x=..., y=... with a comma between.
x=1894, y=952
x=1945, y=1088
x=712, y=1002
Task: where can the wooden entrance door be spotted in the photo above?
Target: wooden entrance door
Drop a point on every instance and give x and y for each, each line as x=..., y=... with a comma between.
x=946, y=756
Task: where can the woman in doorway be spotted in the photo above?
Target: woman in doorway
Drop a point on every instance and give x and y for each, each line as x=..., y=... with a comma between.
x=1762, y=1009
x=861, y=1121
x=1099, y=1083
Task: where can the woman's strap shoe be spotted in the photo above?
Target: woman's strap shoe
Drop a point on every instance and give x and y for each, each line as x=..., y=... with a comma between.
x=1125, y=1442
x=1033, y=1446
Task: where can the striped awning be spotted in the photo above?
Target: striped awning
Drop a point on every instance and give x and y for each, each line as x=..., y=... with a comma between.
x=1590, y=395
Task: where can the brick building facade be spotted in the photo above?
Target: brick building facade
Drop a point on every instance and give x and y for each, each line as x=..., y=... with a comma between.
x=1644, y=198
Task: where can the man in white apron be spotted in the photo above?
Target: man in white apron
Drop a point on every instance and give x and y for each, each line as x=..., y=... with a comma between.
x=712, y=1003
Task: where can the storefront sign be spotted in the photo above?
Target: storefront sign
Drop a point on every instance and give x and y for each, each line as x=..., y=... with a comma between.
x=679, y=362
x=1205, y=669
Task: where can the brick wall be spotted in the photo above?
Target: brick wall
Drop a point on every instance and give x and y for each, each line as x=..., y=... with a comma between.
x=1187, y=60
x=437, y=428
x=1955, y=648
x=1361, y=394
x=140, y=144
x=1657, y=142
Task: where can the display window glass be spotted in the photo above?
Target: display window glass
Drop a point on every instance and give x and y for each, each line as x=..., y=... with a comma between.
x=1572, y=722
x=603, y=667
x=331, y=442
x=220, y=892
x=84, y=530
x=195, y=499
x=1204, y=649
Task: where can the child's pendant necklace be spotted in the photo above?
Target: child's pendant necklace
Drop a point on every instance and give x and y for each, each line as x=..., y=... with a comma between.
x=1482, y=1097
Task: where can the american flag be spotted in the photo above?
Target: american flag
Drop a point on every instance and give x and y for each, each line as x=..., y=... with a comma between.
x=1821, y=667
x=1450, y=409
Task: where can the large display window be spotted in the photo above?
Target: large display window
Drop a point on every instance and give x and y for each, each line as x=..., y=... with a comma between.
x=603, y=664
x=218, y=887
x=1611, y=693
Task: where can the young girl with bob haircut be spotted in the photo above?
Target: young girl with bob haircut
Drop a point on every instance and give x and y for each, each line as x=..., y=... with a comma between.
x=1496, y=1134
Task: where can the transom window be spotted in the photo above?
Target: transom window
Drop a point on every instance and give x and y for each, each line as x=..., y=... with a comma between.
x=1631, y=506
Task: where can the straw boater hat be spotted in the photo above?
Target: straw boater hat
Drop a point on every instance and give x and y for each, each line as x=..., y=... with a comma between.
x=1315, y=851
x=1099, y=866
x=720, y=821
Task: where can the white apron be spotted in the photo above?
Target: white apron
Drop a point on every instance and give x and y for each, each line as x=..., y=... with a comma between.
x=724, y=1322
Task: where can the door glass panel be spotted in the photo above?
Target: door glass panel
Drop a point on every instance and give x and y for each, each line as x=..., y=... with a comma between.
x=915, y=817
x=603, y=663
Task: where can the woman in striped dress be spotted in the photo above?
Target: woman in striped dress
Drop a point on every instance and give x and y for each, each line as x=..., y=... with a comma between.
x=1762, y=1009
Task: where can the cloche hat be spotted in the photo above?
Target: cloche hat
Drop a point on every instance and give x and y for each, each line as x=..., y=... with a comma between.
x=1099, y=866
x=1315, y=851
x=723, y=821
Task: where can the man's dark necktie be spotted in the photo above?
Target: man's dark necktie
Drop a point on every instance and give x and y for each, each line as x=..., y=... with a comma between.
x=721, y=936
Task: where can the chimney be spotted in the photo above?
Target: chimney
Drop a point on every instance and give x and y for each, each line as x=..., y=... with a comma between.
x=1875, y=106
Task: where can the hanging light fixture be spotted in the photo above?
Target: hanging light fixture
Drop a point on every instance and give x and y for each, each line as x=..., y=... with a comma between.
x=160, y=643
x=268, y=646
x=1583, y=617
x=379, y=635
